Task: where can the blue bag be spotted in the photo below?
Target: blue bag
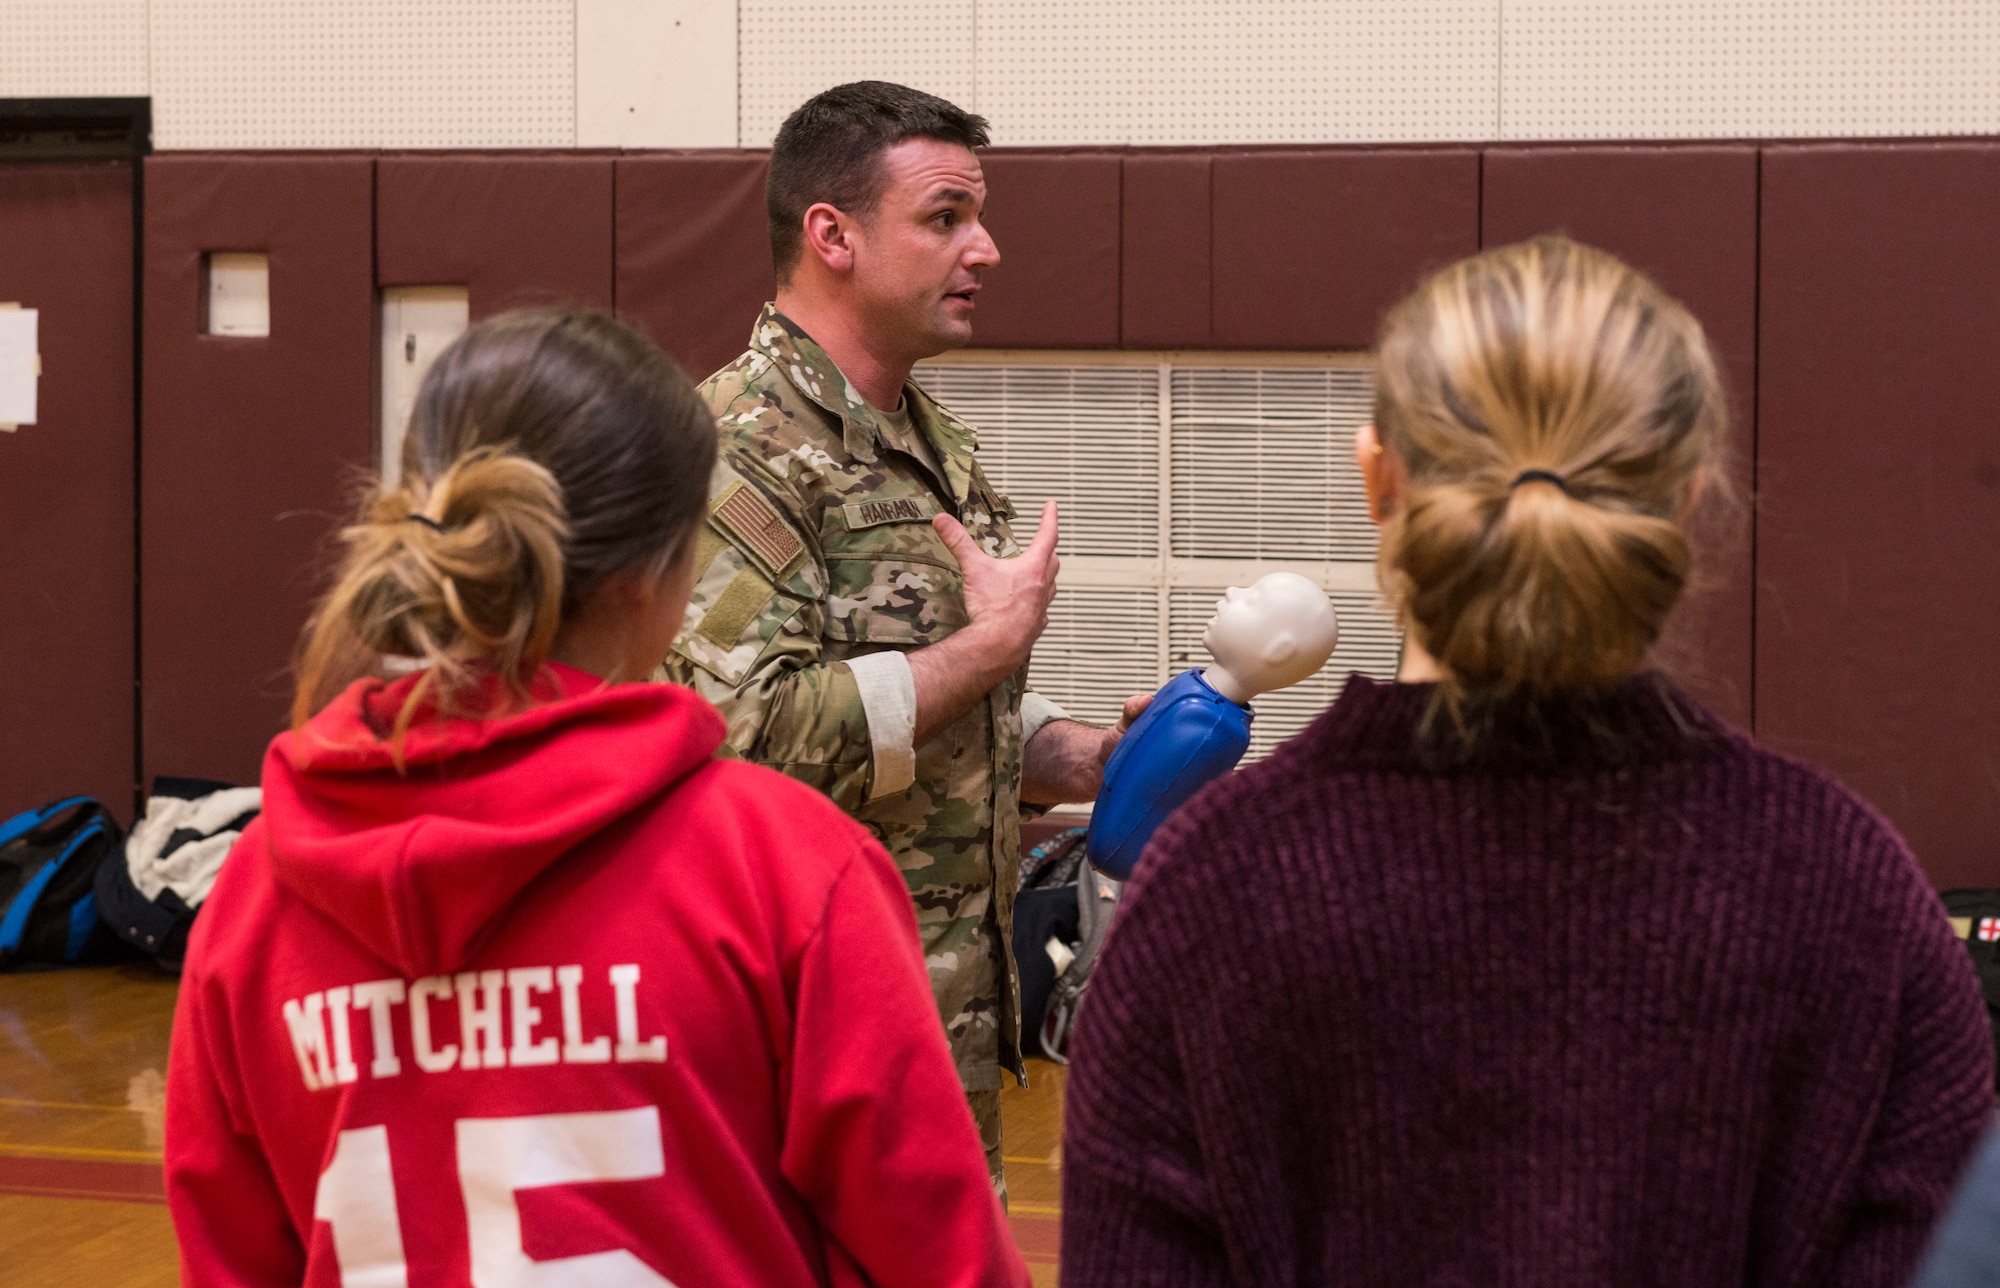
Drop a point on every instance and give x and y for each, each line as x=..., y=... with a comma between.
x=48, y=863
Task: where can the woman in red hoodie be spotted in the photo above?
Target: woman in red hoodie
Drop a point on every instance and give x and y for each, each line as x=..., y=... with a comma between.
x=514, y=982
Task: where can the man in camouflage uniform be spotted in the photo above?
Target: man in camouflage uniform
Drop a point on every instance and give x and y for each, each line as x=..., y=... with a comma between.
x=863, y=614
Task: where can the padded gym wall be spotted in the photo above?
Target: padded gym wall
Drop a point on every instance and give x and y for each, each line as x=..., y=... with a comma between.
x=1878, y=593
x=66, y=523
x=1311, y=246
x=693, y=251
x=1055, y=218
x=1164, y=260
x=250, y=446
x=1688, y=218
x=513, y=230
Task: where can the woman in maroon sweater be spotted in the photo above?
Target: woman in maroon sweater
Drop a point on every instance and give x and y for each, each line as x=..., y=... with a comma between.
x=1525, y=969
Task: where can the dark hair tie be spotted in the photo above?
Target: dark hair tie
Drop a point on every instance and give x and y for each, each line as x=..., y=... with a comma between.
x=1539, y=476
x=426, y=520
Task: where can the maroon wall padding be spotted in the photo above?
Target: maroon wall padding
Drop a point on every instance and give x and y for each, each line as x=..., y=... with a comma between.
x=1165, y=287
x=1878, y=589
x=1312, y=247
x=1055, y=217
x=512, y=230
x=248, y=446
x=694, y=251
x=66, y=518
x=1688, y=218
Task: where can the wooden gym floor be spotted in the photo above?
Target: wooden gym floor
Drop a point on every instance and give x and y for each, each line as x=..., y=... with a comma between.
x=83, y=1059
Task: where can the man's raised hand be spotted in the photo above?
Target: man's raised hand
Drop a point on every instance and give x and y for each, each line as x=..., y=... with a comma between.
x=1006, y=600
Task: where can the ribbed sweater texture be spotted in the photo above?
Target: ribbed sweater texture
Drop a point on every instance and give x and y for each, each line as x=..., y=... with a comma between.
x=1697, y=1020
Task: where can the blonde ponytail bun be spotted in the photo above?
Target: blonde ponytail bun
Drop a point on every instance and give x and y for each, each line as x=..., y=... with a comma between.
x=549, y=451
x=1554, y=411
x=463, y=573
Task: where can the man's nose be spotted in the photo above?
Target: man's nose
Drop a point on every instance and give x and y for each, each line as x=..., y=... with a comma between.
x=981, y=252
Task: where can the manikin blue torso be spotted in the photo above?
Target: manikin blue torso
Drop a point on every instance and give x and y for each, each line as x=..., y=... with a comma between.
x=1189, y=736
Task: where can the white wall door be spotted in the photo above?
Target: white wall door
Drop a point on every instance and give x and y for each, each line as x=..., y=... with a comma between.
x=417, y=323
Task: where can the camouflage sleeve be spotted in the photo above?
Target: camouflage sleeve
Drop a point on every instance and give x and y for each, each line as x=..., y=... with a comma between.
x=752, y=644
x=754, y=650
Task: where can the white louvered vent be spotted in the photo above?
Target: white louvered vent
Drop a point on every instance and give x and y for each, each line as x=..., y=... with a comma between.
x=1369, y=643
x=1264, y=464
x=1085, y=437
x=1101, y=647
x=1176, y=481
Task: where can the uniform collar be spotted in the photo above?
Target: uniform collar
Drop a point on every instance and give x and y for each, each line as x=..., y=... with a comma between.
x=816, y=376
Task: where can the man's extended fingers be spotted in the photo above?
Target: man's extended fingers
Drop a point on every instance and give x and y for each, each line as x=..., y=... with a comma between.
x=1045, y=537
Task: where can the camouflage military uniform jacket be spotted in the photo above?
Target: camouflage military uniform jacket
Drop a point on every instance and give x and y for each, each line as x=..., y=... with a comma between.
x=819, y=551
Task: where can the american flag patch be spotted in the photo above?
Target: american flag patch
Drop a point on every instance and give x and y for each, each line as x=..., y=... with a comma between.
x=1989, y=928
x=744, y=514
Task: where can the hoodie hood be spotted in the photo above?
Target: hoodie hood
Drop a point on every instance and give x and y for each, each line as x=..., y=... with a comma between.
x=417, y=863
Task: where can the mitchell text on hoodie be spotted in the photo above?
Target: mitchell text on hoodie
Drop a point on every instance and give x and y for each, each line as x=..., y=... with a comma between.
x=565, y=1000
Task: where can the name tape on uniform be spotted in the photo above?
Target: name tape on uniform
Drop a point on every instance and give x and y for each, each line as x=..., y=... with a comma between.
x=902, y=509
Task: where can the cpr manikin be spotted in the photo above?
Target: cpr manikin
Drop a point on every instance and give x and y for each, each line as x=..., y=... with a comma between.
x=1276, y=633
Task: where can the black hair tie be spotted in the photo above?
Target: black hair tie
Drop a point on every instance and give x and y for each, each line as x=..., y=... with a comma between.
x=426, y=520
x=1539, y=476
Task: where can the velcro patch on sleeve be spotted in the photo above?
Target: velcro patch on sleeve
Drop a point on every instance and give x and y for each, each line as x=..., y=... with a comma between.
x=738, y=606
x=743, y=513
x=902, y=509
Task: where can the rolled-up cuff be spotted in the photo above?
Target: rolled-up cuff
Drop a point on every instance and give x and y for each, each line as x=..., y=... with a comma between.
x=889, y=697
x=1037, y=711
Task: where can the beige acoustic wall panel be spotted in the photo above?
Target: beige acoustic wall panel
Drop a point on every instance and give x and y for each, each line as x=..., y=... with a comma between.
x=364, y=73
x=1615, y=69
x=789, y=50
x=656, y=73
x=72, y=48
x=1061, y=72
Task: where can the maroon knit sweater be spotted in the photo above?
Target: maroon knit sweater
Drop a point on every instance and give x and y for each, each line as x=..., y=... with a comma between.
x=1699, y=1021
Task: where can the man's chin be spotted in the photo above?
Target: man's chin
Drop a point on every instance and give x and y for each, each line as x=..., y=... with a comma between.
x=949, y=332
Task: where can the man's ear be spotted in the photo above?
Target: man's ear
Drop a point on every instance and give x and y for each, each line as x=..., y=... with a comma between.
x=827, y=237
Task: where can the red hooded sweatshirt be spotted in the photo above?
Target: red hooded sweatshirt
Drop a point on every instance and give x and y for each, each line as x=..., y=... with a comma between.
x=566, y=1002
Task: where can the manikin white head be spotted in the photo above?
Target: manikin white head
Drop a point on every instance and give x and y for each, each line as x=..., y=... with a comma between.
x=1270, y=635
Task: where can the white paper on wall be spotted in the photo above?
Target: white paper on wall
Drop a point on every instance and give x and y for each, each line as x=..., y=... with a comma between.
x=20, y=365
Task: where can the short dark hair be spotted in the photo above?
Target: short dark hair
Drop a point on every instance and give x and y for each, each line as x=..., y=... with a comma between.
x=831, y=148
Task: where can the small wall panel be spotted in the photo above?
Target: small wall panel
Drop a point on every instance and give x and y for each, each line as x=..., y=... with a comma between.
x=1164, y=261
x=1311, y=247
x=513, y=230
x=251, y=447
x=694, y=251
x=1878, y=596
x=66, y=519
x=1688, y=218
x=1055, y=218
